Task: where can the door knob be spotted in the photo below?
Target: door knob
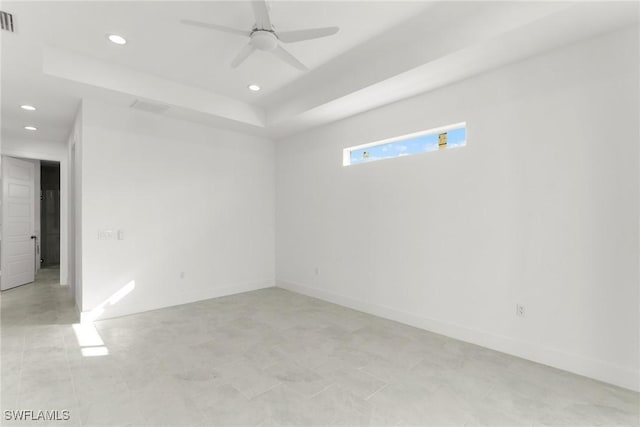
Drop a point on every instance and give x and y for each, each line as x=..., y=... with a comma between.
x=32, y=237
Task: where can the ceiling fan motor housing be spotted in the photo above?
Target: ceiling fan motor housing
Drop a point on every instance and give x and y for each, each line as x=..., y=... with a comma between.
x=264, y=40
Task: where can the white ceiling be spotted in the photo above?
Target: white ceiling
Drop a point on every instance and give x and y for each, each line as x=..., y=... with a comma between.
x=384, y=51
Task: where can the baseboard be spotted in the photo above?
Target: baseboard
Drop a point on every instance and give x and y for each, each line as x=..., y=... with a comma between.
x=596, y=369
x=216, y=292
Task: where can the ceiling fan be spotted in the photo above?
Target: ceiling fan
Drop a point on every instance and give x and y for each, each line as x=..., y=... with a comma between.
x=264, y=37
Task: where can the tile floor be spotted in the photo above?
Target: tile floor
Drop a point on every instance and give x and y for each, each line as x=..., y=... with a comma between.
x=274, y=358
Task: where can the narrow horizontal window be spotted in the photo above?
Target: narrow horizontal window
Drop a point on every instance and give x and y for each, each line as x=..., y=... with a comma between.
x=416, y=143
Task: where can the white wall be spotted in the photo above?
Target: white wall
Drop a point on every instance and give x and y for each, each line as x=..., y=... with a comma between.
x=540, y=209
x=53, y=151
x=189, y=198
x=28, y=148
x=74, y=148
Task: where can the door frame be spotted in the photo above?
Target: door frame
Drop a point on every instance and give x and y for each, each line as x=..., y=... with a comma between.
x=64, y=200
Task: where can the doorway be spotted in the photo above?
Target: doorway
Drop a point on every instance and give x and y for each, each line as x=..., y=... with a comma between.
x=49, y=214
x=30, y=220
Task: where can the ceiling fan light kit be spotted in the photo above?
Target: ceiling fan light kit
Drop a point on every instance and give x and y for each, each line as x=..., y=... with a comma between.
x=263, y=36
x=264, y=40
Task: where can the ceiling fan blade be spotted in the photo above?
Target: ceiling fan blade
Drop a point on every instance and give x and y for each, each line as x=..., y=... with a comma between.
x=216, y=27
x=242, y=55
x=281, y=53
x=263, y=22
x=311, y=33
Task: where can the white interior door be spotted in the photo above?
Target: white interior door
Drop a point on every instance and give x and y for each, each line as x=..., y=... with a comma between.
x=18, y=249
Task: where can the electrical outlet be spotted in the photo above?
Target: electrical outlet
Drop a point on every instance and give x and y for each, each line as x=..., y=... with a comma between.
x=182, y=274
x=317, y=271
x=519, y=310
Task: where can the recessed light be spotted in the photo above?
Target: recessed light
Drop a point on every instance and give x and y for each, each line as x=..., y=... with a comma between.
x=114, y=38
x=253, y=88
x=28, y=107
x=31, y=128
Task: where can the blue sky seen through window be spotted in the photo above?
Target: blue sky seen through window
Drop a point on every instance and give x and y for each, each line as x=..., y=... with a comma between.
x=408, y=147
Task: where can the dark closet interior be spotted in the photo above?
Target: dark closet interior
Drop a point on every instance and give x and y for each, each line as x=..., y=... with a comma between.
x=50, y=214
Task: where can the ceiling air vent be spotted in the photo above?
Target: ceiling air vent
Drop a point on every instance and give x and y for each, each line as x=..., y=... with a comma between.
x=149, y=107
x=6, y=19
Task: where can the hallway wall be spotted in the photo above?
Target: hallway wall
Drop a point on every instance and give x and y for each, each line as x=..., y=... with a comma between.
x=195, y=205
